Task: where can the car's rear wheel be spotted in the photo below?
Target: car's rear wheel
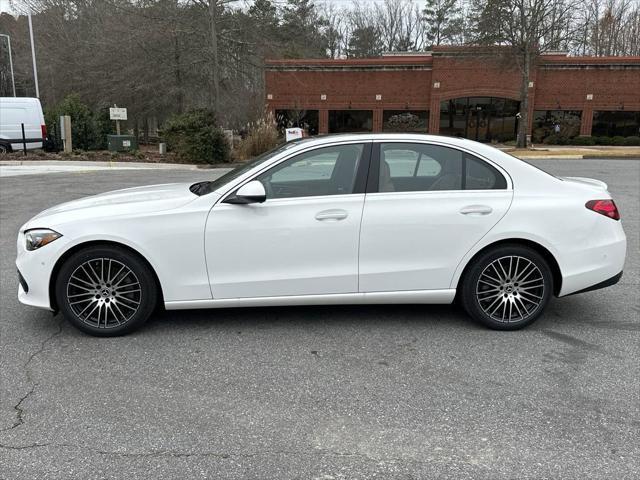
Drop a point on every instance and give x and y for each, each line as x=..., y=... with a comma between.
x=507, y=287
x=4, y=148
x=106, y=291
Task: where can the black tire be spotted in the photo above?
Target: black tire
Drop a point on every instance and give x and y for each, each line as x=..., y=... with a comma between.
x=519, y=300
x=4, y=148
x=117, y=284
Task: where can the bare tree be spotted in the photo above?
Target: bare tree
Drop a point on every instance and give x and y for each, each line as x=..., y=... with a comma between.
x=525, y=29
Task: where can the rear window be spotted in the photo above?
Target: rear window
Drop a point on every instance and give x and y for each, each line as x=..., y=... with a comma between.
x=412, y=167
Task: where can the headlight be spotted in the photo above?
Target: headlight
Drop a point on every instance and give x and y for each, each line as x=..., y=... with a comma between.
x=39, y=237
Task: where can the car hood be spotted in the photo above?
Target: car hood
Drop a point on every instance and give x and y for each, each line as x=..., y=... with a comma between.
x=154, y=198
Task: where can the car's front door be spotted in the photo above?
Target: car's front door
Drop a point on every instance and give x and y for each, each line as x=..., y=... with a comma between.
x=426, y=206
x=303, y=240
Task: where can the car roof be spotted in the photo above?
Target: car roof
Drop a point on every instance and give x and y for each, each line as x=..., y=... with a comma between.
x=481, y=149
x=387, y=136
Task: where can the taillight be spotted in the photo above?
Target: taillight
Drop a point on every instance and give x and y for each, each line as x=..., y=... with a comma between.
x=604, y=207
x=43, y=128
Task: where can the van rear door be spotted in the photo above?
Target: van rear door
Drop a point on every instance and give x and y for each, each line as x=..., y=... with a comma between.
x=17, y=111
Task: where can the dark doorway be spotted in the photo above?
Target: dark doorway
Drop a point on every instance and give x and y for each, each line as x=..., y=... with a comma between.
x=483, y=119
x=346, y=121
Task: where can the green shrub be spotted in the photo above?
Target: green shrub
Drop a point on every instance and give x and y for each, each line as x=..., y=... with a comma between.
x=603, y=141
x=88, y=129
x=617, y=140
x=263, y=136
x=584, y=141
x=632, y=141
x=104, y=126
x=557, y=139
x=194, y=137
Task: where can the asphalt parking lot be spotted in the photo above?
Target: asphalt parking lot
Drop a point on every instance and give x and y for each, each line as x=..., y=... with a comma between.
x=407, y=392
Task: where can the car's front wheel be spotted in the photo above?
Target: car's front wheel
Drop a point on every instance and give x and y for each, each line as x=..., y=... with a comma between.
x=106, y=291
x=507, y=287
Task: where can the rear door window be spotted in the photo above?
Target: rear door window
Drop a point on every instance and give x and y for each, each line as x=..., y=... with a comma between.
x=414, y=167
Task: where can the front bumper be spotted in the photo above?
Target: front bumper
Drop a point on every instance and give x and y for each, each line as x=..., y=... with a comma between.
x=34, y=271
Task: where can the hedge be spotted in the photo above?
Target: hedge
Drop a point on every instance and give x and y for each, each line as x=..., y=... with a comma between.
x=194, y=137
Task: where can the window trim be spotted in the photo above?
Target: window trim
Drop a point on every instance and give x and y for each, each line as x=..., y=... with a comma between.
x=374, y=169
x=359, y=186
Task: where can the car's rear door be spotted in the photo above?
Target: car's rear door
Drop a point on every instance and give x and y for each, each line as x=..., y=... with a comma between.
x=303, y=240
x=426, y=206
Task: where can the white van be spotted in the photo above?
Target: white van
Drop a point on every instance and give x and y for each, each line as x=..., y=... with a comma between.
x=14, y=111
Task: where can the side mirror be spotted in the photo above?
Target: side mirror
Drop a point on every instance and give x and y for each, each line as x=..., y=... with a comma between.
x=252, y=192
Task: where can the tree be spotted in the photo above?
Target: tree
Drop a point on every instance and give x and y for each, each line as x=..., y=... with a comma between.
x=365, y=42
x=301, y=30
x=335, y=30
x=525, y=29
x=444, y=21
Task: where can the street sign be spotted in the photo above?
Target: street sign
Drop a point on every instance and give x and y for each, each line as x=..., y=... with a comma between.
x=118, y=113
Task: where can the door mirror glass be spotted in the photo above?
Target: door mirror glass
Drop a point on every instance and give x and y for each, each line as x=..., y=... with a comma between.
x=252, y=192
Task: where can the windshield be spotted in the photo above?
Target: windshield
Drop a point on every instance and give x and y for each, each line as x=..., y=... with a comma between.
x=242, y=169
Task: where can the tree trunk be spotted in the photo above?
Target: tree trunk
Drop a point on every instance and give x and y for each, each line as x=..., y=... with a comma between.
x=523, y=122
x=215, y=73
x=178, y=73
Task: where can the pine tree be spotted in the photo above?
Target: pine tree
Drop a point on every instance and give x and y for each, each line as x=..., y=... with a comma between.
x=444, y=21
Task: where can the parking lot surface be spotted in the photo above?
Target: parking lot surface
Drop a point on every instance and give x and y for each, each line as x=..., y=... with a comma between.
x=352, y=392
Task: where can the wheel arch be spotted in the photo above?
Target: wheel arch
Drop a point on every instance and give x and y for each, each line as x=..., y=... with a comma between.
x=98, y=243
x=541, y=249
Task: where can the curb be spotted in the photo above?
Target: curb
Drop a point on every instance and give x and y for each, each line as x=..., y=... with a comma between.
x=555, y=157
x=578, y=157
x=137, y=165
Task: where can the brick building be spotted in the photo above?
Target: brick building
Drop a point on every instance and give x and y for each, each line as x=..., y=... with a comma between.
x=460, y=91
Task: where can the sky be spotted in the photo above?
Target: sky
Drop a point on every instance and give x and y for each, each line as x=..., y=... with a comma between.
x=4, y=4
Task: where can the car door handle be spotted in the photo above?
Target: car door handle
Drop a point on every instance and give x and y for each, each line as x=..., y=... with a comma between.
x=476, y=210
x=331, y=215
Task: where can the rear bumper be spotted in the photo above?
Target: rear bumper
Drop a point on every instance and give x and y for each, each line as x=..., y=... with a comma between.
x=604, y=284
x=586, y=267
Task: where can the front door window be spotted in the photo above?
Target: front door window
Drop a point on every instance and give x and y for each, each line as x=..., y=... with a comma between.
x=324, y=171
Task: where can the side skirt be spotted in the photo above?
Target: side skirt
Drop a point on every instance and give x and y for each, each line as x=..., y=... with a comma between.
x=407, y=297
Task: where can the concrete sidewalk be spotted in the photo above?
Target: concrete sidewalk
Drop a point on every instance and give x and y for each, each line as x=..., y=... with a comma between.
x=12, y=168
x=574, y=152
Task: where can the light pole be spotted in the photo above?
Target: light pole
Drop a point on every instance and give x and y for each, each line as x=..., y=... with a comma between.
x=33, y=55
x=13, y=80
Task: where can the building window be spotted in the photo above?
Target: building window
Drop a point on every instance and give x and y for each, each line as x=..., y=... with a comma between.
x=557, y=124
x=345, y=121
x=616, y=123
x=305, y=119
x=484, y=119
x=405, y=121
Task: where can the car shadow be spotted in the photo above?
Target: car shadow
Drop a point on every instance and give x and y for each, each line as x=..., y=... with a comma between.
x=344, y=316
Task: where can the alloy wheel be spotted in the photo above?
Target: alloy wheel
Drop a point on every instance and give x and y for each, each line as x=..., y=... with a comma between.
x=510, y=289
x=104, y=293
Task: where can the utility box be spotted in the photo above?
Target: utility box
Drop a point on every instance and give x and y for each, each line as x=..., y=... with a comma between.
x=122, y=143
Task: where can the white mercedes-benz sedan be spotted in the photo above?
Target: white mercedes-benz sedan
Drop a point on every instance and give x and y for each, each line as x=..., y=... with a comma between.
x=355, y=219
